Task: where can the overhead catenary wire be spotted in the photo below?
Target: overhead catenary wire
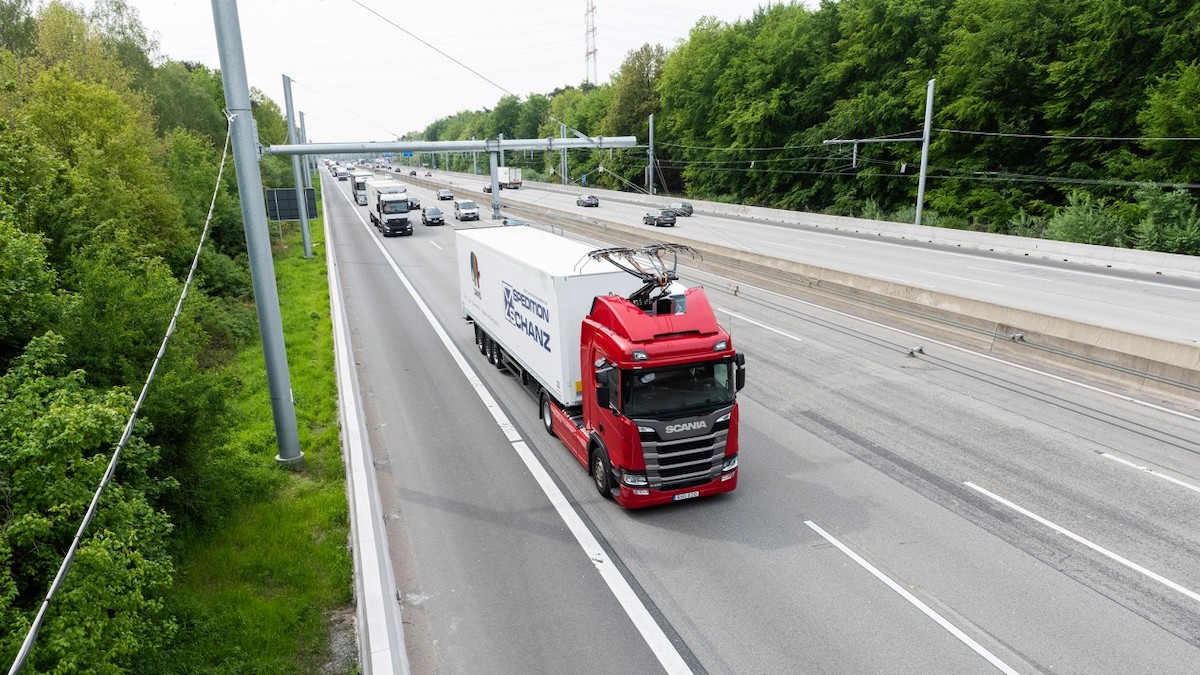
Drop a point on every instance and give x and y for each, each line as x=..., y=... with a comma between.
x=464, y=66
x=127, y=433
x=1066, y=137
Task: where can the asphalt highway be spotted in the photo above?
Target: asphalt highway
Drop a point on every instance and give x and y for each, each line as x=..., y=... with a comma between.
x=940, y=513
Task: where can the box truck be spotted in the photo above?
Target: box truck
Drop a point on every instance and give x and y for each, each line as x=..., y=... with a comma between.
x=358, y=185
x=509, y=177
x=387, y=202
x=630, y=368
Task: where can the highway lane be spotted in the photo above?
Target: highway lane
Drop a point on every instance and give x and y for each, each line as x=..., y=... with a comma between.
x=841, y=428
x=490, y=580
x=1161, y=307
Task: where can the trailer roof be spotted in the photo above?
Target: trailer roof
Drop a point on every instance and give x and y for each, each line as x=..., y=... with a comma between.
x=553, y=255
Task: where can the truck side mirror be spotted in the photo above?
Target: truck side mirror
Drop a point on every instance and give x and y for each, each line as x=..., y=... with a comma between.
x=739, y=377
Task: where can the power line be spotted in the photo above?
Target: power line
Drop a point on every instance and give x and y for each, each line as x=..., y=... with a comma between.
x=65, y=567
x=347, y=109
x=1053, y=137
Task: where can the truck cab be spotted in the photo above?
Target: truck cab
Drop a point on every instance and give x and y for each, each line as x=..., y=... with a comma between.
x=659, y=399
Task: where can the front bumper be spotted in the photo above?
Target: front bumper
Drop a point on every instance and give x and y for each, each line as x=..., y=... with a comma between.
x=641, y=497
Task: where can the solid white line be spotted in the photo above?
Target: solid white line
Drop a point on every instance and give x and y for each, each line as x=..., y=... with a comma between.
x=951, y=628
x=435, y=245
x=1095, y=547
x=1150, y=471
x=651, y=632
x=1058, y=378
x=761, y=325
x=967, y=279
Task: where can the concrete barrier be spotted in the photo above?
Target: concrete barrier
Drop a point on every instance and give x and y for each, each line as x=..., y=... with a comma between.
x=1148, y=262
x=1157, y=367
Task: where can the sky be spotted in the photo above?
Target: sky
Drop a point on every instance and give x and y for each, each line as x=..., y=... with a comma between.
x=358, y=78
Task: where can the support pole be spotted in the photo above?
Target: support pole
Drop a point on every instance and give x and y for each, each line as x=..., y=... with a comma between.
x=297, y=177
x=495, y=185
x=925, y=150
x=562, y=161
x=308, y=159
x=650, y=152
x=254, y=221
x=501, y=136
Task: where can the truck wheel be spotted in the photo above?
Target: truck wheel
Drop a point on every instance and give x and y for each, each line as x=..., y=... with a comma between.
x=488, y=345
x=498, y=357
x=544, y=412
x=479, y=340
x=601, y=474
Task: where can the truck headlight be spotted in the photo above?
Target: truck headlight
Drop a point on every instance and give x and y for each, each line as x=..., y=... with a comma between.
x=724, y=418
x=730, y=464
x=634, y=479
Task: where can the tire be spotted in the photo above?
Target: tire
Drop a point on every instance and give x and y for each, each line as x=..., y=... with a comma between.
x=601, y=472
x=498, y=357
x=544, y=412
x=487, y=347
x=479, y=340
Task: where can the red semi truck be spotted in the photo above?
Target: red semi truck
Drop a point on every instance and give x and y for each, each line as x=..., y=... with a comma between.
x=631, y=369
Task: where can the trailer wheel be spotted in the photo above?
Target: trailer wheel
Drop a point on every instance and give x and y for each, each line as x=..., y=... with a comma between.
x=601, y=473
x=487, y=347
x=498, y=357
x=544, y=412
x=479, y=340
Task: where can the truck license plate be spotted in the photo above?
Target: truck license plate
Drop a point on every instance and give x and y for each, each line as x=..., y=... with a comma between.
x=686, y=495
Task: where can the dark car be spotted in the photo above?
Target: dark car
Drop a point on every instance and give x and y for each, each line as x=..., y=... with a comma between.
x=681, y=208
x=659, y=218
x=587, y=200
x=413, y=172
x=432, y=215
x=487, y=187
x=444, y=194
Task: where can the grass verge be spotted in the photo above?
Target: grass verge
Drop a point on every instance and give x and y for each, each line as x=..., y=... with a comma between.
x=258, y=594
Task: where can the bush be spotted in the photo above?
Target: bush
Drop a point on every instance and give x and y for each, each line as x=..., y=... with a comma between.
x=1086, y=220
x=1171, y=223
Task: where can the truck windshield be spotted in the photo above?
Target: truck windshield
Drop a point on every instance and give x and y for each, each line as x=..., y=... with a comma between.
x=669, y=390
x=395, y=207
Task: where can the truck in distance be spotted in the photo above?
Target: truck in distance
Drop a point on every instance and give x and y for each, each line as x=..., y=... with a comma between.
x=509, y=177
x=358, y=185
x=387, y=204
x=630, y=368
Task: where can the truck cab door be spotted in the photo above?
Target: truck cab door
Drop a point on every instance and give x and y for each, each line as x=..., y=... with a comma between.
x=605, y=403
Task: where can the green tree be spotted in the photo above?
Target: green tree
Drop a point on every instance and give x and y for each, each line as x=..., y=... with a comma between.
x=113, y=157
x=505, y=118
x=28, y=302
x=56, y=434
x=1172, y=110
x=18, y=30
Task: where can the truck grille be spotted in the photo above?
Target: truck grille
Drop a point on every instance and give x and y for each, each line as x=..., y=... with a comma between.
x=687, y=462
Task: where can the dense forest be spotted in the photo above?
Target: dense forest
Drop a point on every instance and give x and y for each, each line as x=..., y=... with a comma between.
x=1076, y=120
x=110, y=158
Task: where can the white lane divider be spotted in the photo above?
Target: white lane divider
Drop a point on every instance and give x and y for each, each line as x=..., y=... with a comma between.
x=762, y=325
x=1150, y=471
x=925, y=609
x=1095, y=547
x=651, y=632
